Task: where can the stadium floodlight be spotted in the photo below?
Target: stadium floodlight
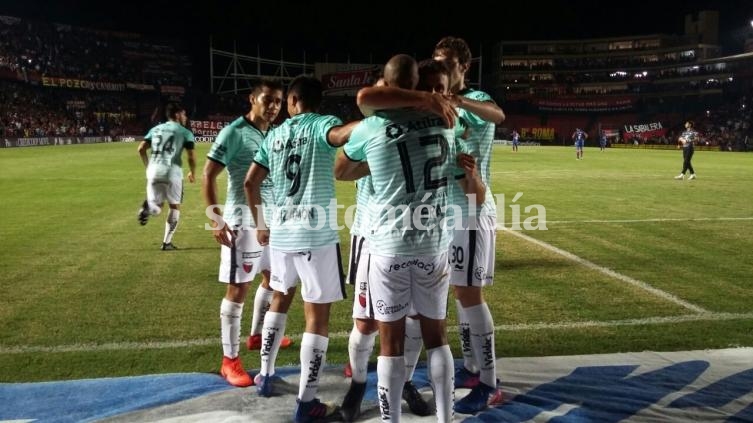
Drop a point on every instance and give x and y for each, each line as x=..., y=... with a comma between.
x=751, y=22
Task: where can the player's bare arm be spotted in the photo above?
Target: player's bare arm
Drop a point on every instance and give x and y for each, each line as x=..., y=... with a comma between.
x=339, y=135
x=191, y=165
x=350, y=170
x=472, y=183
x=143, y=146
x=252, y=186
x=220, y=229
x=486, y=110
x=370, y=99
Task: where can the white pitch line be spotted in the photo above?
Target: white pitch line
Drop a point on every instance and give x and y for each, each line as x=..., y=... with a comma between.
x=679, y=219
x=609, y=272
x=126, y=346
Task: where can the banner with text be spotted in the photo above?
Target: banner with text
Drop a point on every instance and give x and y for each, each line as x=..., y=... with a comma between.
x=347, y=82
x=83, y=84
x=610, y=104
x=544, y=134
x=645, y=130
x=41, y=141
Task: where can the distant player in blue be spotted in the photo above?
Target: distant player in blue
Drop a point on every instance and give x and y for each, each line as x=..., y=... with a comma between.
x=299, y=157
x=164, y=172
x=579, y=136
x=515, y=140
x=602, y=141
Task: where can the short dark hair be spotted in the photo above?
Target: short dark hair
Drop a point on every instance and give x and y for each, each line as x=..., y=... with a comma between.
x=271, y=83
x=456, y=45
x=691, y=123
x=172, y=110
x=430, y=67
x=308, y=89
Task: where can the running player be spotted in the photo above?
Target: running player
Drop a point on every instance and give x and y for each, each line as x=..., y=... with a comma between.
x=164, y=172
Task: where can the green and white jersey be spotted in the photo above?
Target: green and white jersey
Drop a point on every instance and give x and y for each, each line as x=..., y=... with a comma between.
x=300, y=161
x=167, y=141
x=479, y=144
x=364, y=191
x=411, y=156
x=235, y=148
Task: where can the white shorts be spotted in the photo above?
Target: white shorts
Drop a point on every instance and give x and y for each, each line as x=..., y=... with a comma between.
x=397, y=282
x=472, y=253
x=358, y=275
x=244, y=260
x=320, y=272
x=159, y=190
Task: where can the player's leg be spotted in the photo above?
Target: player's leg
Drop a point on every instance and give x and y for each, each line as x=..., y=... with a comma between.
x=430, y=290
x=461, y=254
x=262, y=302
x=412, y=351
x=284, y=282
x=391, y=295
x=155, y=195
x=322, y=283
x=174, y=199
x=480, y=321
x=363, y=334
x=238, y=266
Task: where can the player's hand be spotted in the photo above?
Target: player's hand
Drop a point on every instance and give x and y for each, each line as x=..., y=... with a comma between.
x=222, y=233
x=262, y=236
x=443, y=107
x=467, y=163
x=191, y=178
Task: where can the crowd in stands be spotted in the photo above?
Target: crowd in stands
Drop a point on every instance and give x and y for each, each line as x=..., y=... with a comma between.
x=32, y=49
x=30, y=111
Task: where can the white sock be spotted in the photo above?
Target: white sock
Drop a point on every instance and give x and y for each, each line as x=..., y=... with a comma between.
x=262, y=300
x=464, y=332
x=154, y=208
x=482, y=342
x=390, y=381
x=170, y=225
x=271, y=336
x=412, y=348
x=230, y=327
x=360, y=346
x=441, y=371
x=313, y=356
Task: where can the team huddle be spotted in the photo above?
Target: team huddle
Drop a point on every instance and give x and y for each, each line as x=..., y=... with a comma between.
x=420, y=159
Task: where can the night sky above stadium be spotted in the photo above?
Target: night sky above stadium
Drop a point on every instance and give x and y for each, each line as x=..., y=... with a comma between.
x=372, y=31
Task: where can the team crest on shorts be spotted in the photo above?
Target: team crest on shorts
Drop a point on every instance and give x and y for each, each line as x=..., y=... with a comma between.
x=248, y=267
x=362, y=299
x=480, y=273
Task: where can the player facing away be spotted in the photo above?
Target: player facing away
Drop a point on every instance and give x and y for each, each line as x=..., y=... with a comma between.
x=579, y=136
x=408, y=240
x=515, y=140
x=299, y=158
x=362, y=336
x=164, y=171
x=686, y=141
x=241, y=257
x=472, y=250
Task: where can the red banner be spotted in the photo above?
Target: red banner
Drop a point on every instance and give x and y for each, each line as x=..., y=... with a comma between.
x=585, y=104
x=645, y=130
